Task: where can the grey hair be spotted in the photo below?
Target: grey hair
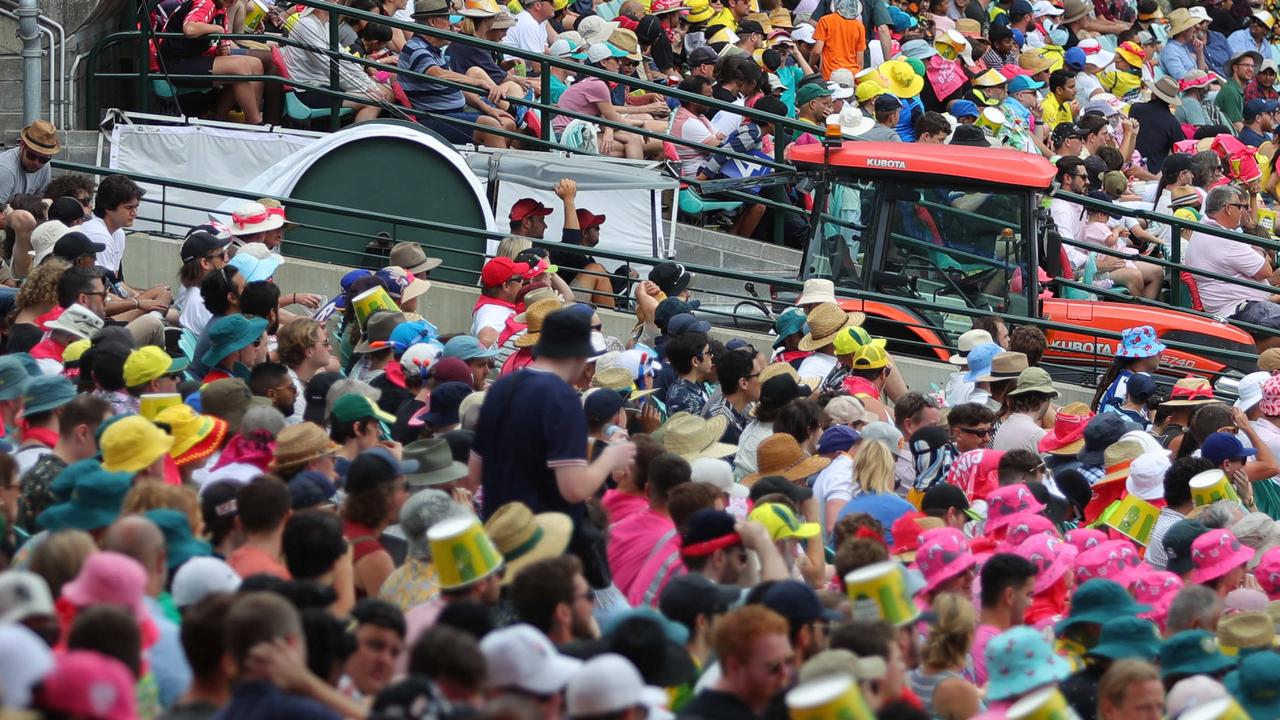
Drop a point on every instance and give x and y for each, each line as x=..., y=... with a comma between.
x=344, y=387
x=1193, y=606
x=1222, y=514
x=1220, y=197
x=420, y=512
x=262, y=417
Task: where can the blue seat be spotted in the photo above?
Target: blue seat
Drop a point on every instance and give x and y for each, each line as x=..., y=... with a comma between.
x=692, y=204
x=298, y=111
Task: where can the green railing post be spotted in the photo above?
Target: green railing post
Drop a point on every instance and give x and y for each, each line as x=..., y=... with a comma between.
x=545, y=98
x=144, y=58
x=1175, y=257
x=335, y=102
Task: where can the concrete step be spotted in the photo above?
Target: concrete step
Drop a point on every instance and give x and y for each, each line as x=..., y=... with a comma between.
x=710, y=248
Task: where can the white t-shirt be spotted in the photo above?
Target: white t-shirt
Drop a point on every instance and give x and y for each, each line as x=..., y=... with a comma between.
x=195, y=316
x=835, y=482
x=1086, y=86
x=1224, y=257
x=27, y=457
x=97, y=231
x=958, y=389
x=493, y=317
x=527, y=34
x=1019, y=432
x=817, y=365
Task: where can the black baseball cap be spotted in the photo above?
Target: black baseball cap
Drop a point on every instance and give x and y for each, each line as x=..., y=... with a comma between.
x=75, y=245
x=672, y=307
x=780, y=390
x=702, y=56
x=1177, y=544
x=707, y=531
x=201, y=244
x=67, y=210
x=887, y=103
x=778, y=484
x=316, y=392
x=671, y=278
x=746, y=27
x=798, y=603
x=942, y=497
x=690, y=595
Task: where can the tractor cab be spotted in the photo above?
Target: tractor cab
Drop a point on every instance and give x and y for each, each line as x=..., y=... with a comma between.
x=919, y=237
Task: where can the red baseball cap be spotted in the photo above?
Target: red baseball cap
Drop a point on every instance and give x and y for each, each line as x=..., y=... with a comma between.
x=500, y=270
x=588, y=219
x=527, y=207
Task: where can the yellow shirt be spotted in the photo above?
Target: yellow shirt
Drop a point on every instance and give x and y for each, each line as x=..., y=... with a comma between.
x=1054, y=112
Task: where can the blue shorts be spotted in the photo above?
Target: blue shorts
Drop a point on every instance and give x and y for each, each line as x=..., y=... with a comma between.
x=448, y=128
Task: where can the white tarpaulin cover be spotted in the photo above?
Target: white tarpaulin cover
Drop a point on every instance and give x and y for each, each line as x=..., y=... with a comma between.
x=221, y=157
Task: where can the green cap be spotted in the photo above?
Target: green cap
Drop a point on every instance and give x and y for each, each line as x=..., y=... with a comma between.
x=353, y=406
x=95, y=499
x=1177, y=544
x=1128, y=637
x=810, y=92
x=1192, y=652
x=180, y=544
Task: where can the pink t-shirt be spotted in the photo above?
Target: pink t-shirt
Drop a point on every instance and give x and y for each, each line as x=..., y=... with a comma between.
x=619, y=505
x=983, y=635
x=581, y=97
x=632, y=541
x=1224, y=257
x=655, y=573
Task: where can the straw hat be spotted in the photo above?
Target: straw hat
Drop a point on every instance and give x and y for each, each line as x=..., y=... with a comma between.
x=1180, y=21
x=524, y=538
x=825, y=322
x=780, y=454
x=773, y=370
x=534, y=316
x=299, y=444
x=1119, y=456
x=1034, y=61
x=1006, y=366
x=1073, y=10
x=1190, y=392
x=619, y=379
x=692, y=437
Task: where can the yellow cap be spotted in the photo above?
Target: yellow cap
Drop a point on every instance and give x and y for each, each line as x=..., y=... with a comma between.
x=74, y=351
x=870, y=357
x=462, y=552
x=781, y=523
x=854, y=338
x=132, y=443
x=146, y=364
x=869, y=90
x=990, y=78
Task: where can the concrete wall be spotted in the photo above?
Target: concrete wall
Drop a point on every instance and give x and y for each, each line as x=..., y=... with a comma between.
x=154, y=261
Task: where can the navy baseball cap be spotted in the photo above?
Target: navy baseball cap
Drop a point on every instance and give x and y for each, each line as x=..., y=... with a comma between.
x=838, y=438
x=684, y=322
x=1222, y=446
x=798, y=603
x=1258, y=106
x=1140, y=386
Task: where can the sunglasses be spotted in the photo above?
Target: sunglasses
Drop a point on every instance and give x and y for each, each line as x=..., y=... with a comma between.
x=975, y=431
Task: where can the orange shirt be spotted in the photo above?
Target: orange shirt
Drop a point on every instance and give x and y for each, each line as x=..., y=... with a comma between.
x=248, y=561
x=843, y=43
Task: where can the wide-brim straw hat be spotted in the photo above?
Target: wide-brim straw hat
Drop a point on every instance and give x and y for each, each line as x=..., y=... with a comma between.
x=299, y=444
x=524, y=538
x=534, y=316
x=825, y=322
x=780, y=454
x=1006, y=366
x=1180, y=21
x=692, y=437
x=1190, y=392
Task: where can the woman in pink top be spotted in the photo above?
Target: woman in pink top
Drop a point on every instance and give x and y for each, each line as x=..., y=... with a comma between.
x=591, y=96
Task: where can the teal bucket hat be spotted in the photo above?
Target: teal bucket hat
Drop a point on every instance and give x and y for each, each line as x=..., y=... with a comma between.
x=1193, y=652
x=13, y=377
x=45, y=393
x=1097, y=601
x=179, y=543
x=95, y=499
x=230, y=334
x=1020, y=660
x=790, y=322
x=1256, y=684
x=1128, y=637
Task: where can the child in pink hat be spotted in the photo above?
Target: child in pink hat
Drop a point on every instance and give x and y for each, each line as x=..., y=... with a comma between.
x=1005, y=504
x=1267, y=573
x=85, y=684
x=946, y=563
x=1218, y=560
x=1022, y=527
x=1156, y=588
x=1086, y=538
x=1053, y=559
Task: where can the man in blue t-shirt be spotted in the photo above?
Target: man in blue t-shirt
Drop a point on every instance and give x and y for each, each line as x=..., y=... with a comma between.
x=531, y=440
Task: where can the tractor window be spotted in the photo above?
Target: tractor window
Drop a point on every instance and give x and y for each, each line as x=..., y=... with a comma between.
x=955, y=247
x=842, y=244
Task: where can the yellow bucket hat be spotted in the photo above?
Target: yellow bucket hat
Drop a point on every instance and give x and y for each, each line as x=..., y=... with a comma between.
x=462, y=552
x=902, y=80
x=133, y=443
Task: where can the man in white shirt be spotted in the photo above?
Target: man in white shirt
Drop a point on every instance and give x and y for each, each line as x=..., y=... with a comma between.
x=500, y=281
x=1224, y=208
x=115, y=208
x=530, y=31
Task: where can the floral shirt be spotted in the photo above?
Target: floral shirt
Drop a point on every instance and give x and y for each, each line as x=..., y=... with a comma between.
x=737, y=421
x=687, y=396
x=122, y=403
x=36, y=496
x=411, y=584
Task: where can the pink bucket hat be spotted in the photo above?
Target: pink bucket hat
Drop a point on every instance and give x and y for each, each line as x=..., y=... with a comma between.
x=944, y=554
x=1215, y=554
x=1008, y=501
x=1156, y=588
x=1023, y=526
x=1271, y=396
x=109, y=577
x=1086, y=538
x=1051, y=556
x=87, y=684
x=1267, y=572
x=1113, y=560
